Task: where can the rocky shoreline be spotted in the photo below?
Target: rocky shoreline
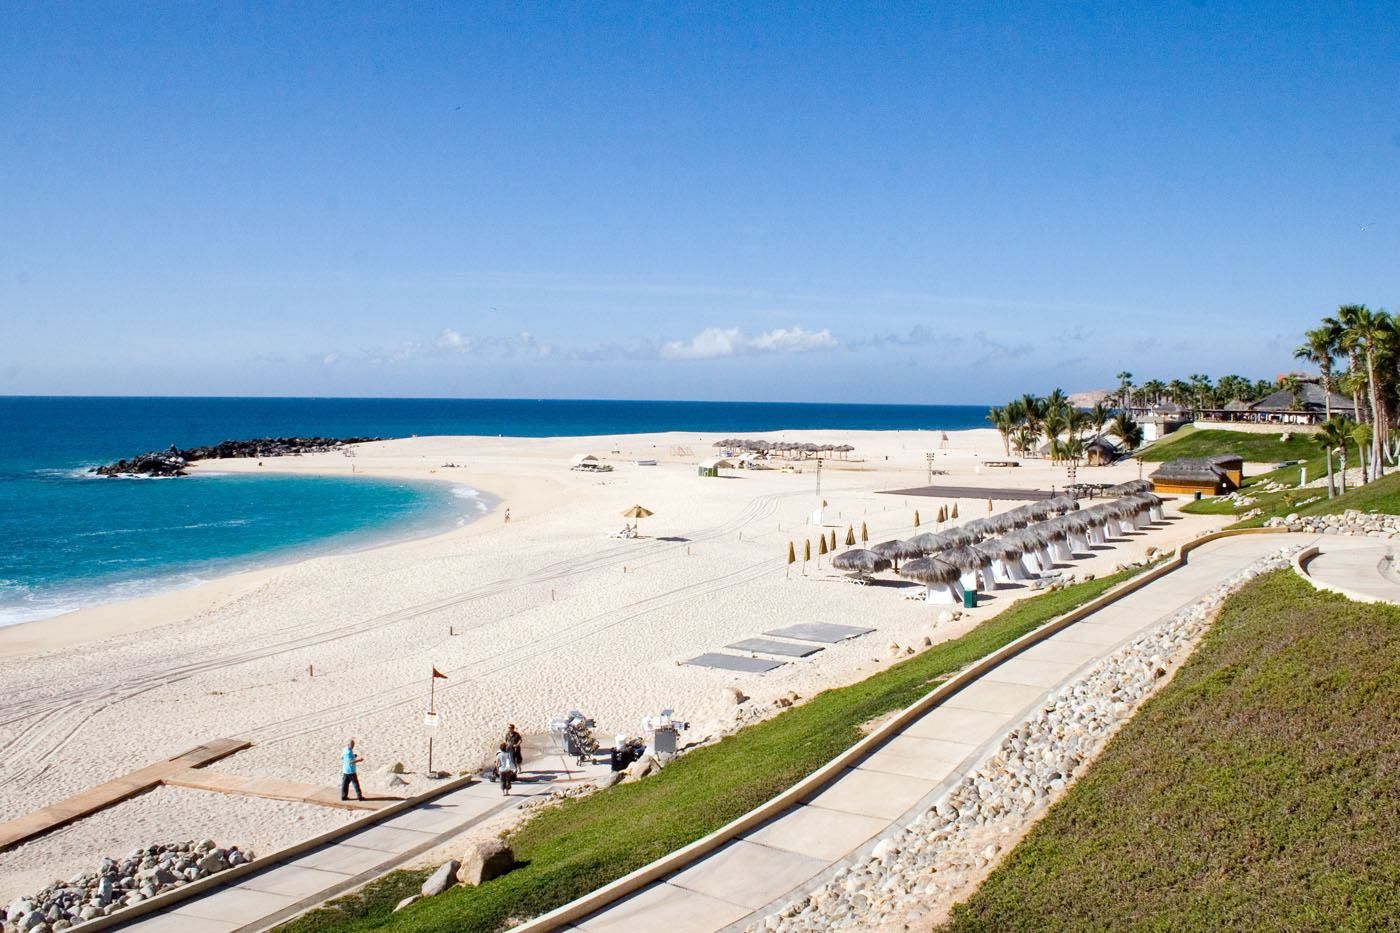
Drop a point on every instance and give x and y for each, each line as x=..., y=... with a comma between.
x=173, y=460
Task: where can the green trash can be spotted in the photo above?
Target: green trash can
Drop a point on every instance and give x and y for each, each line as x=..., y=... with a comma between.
x=1198, y=495
x=969, y=599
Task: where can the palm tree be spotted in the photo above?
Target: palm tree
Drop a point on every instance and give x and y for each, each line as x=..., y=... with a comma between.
x=1154, y=390
x=1342, y=326
x=1054, y=425
x=1319, y=347
x=1361, y=437
x=1128, y=430
x=1033, y=410
x=1332, y=434
x=1200, y=385
x=1001, y=420
x=1057, y=402
x=1370, y=332
x=1125, y=381
x=1099, y=416
x=1179, y=392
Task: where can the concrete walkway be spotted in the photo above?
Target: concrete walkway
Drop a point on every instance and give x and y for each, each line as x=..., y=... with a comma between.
x=285, y=889
x=1362, y=568
x=761, y=871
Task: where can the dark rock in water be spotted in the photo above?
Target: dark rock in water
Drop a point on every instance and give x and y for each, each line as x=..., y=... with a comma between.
x=172, y=462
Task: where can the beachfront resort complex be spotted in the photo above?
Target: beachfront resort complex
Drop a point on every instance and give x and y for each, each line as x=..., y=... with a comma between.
x=678, y=469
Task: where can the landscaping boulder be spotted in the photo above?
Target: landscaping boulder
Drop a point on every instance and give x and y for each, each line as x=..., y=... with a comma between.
x=484, y=861
x=441, y=879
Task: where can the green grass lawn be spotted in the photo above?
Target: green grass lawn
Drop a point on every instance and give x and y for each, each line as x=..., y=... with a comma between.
x=1381, y=496
x=584, y=843
x=1260, y=790
x=1208, y=442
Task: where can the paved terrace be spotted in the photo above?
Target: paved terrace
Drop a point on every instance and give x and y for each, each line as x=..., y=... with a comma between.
x=763, y=870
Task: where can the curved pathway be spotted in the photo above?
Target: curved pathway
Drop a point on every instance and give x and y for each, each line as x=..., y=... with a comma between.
x=1360, y=568
x=762, y=870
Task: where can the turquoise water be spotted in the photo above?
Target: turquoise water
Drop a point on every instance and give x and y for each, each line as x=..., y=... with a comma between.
x=69, y=539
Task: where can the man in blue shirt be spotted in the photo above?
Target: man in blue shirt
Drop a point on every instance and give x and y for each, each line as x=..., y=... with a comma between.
x=347, y=772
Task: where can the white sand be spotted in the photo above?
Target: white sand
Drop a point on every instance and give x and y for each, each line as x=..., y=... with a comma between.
x=544, y=614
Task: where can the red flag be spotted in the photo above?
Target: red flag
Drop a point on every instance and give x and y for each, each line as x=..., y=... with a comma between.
x=437, y=673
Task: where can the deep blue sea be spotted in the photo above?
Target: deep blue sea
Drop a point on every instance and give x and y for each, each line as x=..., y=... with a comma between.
x=69, y=539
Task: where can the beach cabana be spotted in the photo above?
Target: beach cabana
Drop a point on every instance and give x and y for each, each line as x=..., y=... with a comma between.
x=588, y=464
x=860, y=563
x=1098, y=518
x=974, y=565
x=1057, y=532
x=711, y=466
x=1005, y=557
x=940, y=579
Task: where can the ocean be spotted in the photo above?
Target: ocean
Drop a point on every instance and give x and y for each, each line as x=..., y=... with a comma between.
x=69, y=539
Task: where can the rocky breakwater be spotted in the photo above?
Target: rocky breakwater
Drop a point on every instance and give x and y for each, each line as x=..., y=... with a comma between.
x=174, y=460
x=119, y=883
x=936, y=860
x=1351, y=522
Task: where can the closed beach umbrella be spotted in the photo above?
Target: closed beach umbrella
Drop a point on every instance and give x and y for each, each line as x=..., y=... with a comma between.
x=850, y=536
x=864, y=533
x=916, y=518
x=821, y=544
x=860, y=562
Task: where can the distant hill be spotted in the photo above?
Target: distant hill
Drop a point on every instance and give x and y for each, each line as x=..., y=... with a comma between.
x=1089, y=398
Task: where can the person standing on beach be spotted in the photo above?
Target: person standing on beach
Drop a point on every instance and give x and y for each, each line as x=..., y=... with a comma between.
x=348, y=776
x=507, y=515
x=505, y=768
x=515, y=743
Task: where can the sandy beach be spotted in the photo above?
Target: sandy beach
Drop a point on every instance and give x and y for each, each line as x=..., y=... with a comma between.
x=528, y=619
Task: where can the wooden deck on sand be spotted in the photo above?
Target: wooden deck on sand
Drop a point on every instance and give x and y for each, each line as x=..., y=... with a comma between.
x=179, y=771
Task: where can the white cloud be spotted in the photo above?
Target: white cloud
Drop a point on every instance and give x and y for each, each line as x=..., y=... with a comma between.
x=451, y=339
x=716, y=342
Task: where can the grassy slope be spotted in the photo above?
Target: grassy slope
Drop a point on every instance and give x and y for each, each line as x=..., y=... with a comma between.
x=584, y=843
x=1207, y=442
x=1259, y=790
x=1381, y=496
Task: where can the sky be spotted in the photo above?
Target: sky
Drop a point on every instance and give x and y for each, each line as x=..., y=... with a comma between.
x=948, y=203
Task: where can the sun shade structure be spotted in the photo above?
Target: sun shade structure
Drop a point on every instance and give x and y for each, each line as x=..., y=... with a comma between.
x=940, y=579
x=897, y=551
x=974, y=566
x=638, y=511
x=860, y=562
x=1005, y=556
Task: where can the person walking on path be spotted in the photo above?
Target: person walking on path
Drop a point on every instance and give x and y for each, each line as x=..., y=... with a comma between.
x=505, y=768
x=348, y=776
x=516, y=742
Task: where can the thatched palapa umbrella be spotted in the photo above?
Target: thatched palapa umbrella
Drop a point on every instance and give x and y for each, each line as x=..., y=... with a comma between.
x=939, y=577
x=896, y=551
x=860, y=562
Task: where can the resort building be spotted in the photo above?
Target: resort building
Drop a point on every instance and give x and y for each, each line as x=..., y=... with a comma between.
x=1212, y=476
x=1307, y=406
x=1100, y=451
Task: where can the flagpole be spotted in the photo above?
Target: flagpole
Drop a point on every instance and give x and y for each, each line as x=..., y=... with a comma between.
x=432, y=710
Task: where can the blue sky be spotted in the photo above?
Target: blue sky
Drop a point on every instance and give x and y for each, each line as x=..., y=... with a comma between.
x=783, y=202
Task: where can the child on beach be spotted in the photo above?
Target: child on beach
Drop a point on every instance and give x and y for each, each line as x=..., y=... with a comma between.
x=505, y=768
